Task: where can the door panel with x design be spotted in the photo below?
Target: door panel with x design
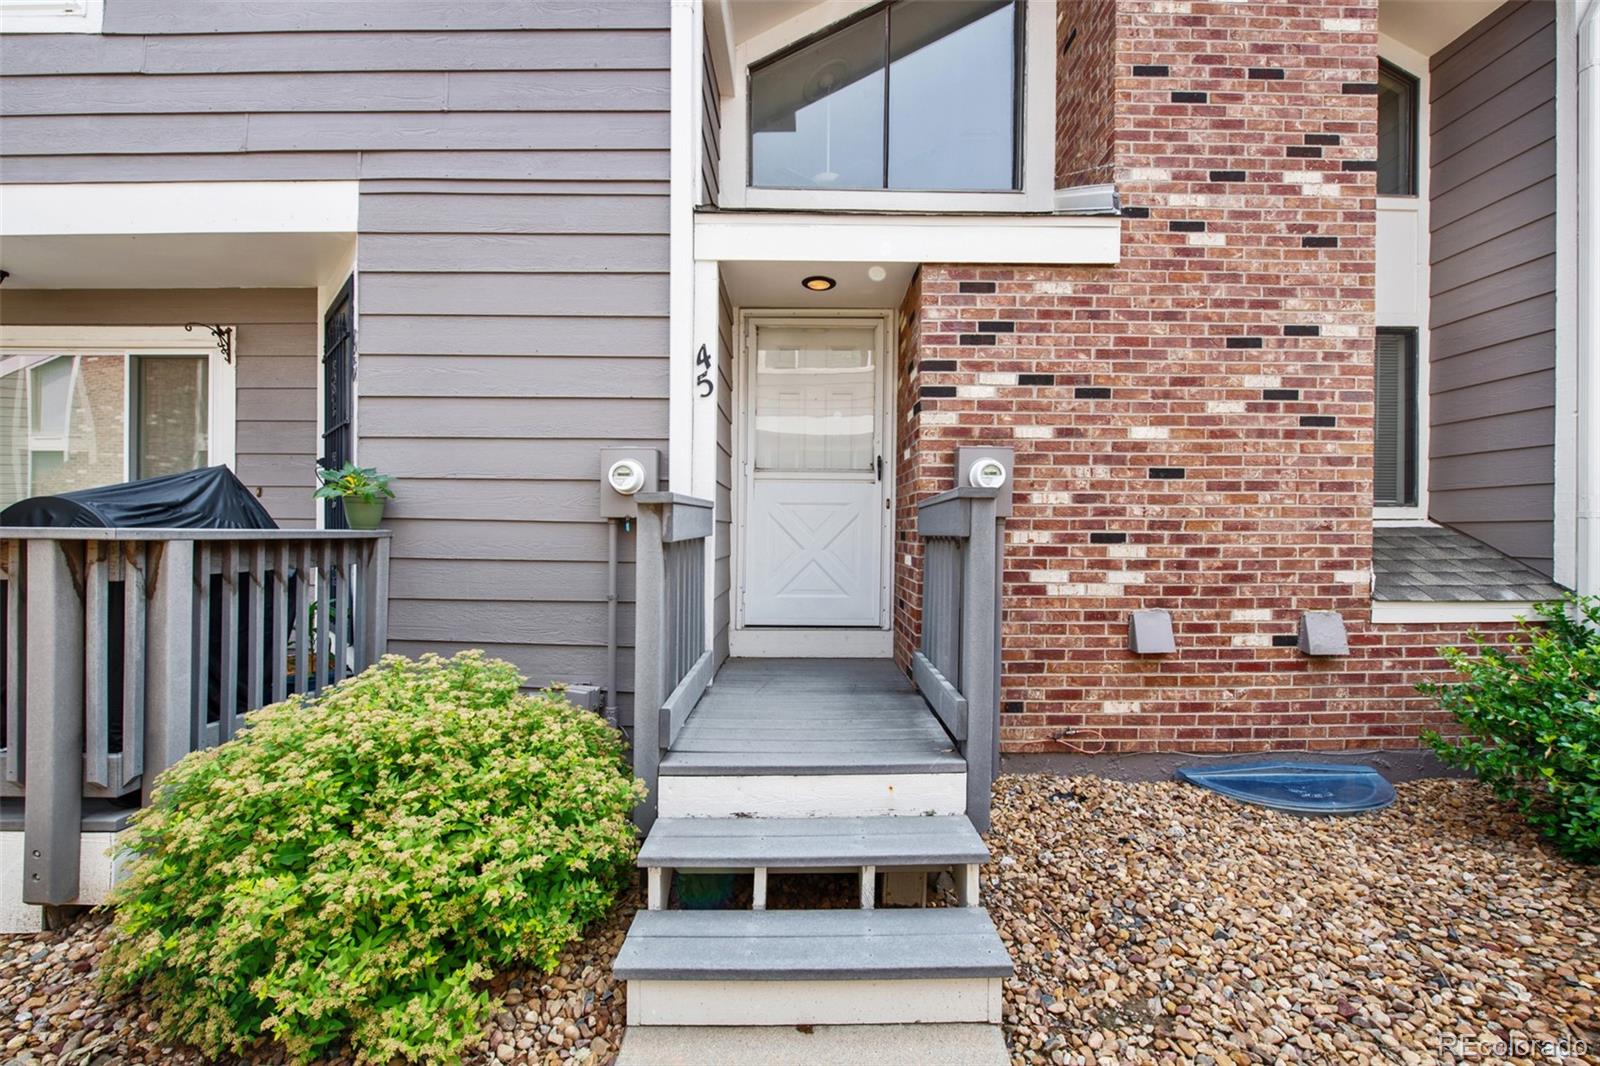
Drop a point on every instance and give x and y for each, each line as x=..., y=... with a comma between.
x=814, y=556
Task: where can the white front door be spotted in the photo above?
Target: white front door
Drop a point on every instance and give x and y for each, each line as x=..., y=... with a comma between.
x=815, y=518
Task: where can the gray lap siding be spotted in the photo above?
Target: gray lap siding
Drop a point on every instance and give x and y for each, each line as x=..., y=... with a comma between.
x=512, y=257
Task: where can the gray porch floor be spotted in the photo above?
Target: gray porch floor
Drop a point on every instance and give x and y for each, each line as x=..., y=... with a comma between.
x=811, y=716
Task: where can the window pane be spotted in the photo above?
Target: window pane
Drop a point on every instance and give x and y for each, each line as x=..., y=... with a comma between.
x=1394, y=445
x=172, y=416
x=61, y=424
x=816, y=117
x=952, y=80
x=816, y=391
x=1397, y=135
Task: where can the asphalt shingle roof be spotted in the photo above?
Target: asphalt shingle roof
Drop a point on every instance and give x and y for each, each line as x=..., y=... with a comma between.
x=1431, y=563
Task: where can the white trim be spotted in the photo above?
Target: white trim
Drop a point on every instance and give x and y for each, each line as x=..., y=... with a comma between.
x=768, y=642
x=1564, y=546
x=811, y=795
x=180, y=207
x=221, y=375
x=705, y=418
x=1087, y=200
x=52, y=16
x=1414, y=210
x=1398, y=612
x=802, y=642
x=1039, y=240
x=685, y=131
x=1038, y=127
x=1586, y=568
x=862, y=1001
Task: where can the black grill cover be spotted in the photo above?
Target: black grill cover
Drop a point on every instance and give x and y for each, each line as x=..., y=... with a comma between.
x=210, y=498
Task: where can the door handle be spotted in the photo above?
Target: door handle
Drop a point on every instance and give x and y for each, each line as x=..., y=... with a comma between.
x=880, y=468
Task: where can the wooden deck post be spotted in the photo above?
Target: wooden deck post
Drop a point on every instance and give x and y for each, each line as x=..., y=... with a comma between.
x=53, y=811
x=649, y=645
x=980, y=604
x=169, y=660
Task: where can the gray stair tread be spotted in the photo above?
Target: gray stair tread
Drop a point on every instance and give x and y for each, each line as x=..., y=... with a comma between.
x=907, y=841
x=939, y=942
x=852, y=759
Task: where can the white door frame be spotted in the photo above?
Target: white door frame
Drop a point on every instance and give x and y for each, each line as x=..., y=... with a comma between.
x=842, y=642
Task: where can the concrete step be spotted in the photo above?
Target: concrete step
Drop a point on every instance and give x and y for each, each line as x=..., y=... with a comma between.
x=950, y=1044
x=740, y=843
x=838, y=967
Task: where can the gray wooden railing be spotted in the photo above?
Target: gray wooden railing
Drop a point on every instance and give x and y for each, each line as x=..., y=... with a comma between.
x=126, y=649
x=958, y=665
x=672, y=663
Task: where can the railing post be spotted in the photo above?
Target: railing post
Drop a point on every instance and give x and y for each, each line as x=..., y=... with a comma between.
x=649, y=647
x=53, y=811
x=980, y=605
x=169, y=660
x=376, y=607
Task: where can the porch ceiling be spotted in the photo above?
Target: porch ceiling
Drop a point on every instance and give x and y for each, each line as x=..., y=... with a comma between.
x=766, y=284
x=170, y=260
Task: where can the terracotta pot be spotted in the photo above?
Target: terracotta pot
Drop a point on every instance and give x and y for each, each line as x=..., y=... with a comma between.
x=363, y=514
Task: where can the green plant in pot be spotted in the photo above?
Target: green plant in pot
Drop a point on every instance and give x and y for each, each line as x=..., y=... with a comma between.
x=361, y=488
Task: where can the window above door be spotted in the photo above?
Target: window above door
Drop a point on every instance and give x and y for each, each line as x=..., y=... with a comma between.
x=913, y=95
x=910, y=105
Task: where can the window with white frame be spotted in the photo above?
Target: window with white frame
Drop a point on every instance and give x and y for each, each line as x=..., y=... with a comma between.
x=1394, y=480
x=915, y=95
x=76, y=416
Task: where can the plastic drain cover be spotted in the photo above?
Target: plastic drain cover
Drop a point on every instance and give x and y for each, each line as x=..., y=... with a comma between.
x=1302, y=788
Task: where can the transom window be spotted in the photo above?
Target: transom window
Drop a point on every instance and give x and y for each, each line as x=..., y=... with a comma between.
x=916, y=95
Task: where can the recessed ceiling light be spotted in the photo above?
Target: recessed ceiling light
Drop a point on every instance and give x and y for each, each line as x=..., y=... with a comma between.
x=877, y=273
x=819, y=283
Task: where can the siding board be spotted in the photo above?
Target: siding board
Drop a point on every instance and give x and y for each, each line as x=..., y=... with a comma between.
x=426, y=213
x=529, y=294
x=410, y=334
x=284, y=53
x=328, y=16
x=515, y=253
x=482, y=459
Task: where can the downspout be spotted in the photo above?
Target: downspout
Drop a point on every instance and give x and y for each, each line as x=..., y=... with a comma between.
x=613, y=704
x=1587, y=405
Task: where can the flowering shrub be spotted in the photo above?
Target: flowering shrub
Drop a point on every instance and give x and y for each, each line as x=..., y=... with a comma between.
x=353, y=867
x=1532, y=712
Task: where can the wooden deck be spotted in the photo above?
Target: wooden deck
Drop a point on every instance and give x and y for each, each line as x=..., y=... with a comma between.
x=811, y=716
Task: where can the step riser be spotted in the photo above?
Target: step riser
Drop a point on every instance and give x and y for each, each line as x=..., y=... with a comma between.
x=812, y=795
x=842, y=1002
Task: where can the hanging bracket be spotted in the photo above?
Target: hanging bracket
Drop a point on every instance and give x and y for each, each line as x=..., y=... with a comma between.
x=223, y=334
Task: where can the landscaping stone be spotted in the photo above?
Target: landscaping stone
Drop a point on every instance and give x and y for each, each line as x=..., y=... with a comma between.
x=1157, y=922
x=1150, y=922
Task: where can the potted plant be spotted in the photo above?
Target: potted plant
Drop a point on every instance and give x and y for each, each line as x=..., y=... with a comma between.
x=361, y=488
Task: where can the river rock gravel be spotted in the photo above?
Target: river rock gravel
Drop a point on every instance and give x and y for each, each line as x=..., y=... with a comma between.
x=1149, y=922
x=1157, y=922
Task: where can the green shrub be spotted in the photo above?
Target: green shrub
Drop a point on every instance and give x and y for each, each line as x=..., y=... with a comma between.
x=354, y=867
x=1532, y=715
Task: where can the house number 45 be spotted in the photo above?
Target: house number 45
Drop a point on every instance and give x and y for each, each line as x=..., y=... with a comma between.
x=702, y=372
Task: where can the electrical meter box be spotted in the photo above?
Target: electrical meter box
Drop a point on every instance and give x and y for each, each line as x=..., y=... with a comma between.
x=970, y=461
x=624, y=473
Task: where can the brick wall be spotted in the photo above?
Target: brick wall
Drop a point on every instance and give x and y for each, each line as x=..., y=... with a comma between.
x=1086, y=42
x=1193, y=427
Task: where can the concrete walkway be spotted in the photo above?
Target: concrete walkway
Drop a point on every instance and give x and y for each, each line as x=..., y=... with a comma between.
x=838, y=1045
